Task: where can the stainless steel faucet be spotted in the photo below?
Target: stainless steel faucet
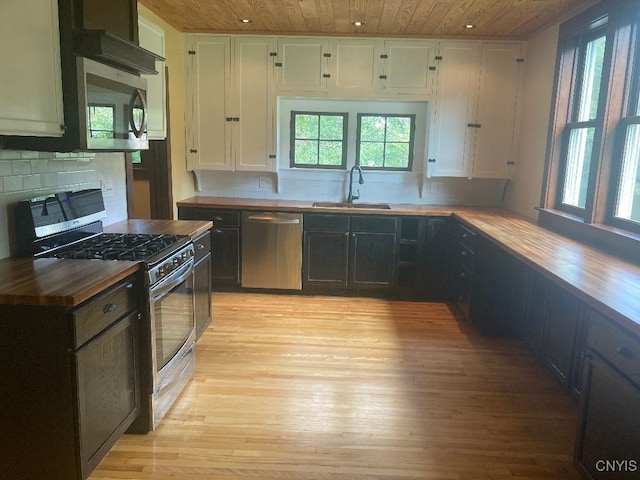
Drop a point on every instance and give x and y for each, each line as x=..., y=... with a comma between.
x=351, y=196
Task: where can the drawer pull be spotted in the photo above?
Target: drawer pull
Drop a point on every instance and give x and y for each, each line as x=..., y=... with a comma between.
x=217, y=219
x=110, y=307
x=624, y=352
x=464, y=253
x=217, y=231
x=465, y=235
x=199, y=246
x=462, y=275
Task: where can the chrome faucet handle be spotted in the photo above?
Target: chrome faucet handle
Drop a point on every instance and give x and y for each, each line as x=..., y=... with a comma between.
x=356, y=195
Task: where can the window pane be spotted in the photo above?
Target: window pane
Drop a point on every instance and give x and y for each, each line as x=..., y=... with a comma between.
x=398, y=129
x=397, y=155
x=372, y=129
x=371, y=154
x=306, y=152
x=306, y=126
x=331, y=127
x=101, y=121
x=590, y=82
x=628, y=202
x=331, y=153
x=577, y=167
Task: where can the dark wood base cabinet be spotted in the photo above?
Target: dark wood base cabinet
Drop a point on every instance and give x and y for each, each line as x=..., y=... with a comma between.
x=70, y=383
x=202, y=282
x=608, y=446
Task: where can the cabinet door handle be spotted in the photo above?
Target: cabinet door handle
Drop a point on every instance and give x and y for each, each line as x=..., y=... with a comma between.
x=109, y=307
x=624, y=352
x=193, y=150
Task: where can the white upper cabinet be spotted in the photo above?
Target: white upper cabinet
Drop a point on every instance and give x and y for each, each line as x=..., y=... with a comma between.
x=31, y=82
x=151, y=37
x=208, y=103
x=230, y=103
x=302, y=64
x=500, y=77
x=355, y=67
x=409, y=67
x=254, y=100
x=475, y=117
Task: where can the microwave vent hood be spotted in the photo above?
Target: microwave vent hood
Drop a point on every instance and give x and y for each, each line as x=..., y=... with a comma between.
x=103, y=47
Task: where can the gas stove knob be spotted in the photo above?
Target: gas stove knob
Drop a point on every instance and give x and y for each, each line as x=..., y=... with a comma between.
x=184, y=256
x=176, y=261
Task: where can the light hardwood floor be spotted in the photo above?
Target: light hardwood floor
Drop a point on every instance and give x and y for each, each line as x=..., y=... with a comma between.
x=323, y=388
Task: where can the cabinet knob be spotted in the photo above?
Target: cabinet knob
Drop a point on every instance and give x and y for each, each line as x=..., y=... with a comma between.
x=462, y=275
x=464, y=253
x=199, y=246
x=110, y=307
x=216, y=230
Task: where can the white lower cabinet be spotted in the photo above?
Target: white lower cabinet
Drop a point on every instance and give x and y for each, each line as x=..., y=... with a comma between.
x=31, y=91
x=230, y=103
x=475, y=116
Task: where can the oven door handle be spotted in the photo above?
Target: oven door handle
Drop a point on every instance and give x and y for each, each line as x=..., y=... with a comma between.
x=173, y=280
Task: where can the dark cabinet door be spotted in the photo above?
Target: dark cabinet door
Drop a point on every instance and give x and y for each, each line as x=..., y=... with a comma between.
x=325, y=258
x=225, y=256
x=107, y=389
x=533, y=325
x=609, y=441
x=117, y=17
x=372, y=259
x=561, y=320
x=202, y=294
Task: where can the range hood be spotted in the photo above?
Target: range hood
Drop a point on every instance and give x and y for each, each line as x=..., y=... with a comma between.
x=103, y=47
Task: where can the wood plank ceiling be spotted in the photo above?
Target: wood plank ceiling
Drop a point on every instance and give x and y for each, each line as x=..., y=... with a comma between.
x=517, y=19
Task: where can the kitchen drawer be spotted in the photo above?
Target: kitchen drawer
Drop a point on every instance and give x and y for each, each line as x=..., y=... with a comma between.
x=616, y=346
x=202, y=245
x=466, y=237
x=326, y=222
x=220, y=218
x=362, y=223
x=101, y=311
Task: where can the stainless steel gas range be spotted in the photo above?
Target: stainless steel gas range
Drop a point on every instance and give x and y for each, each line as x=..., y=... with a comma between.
x=68, y=225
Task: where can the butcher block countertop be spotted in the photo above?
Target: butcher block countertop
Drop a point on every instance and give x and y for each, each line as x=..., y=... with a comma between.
x=68, y=283
x=605, y=282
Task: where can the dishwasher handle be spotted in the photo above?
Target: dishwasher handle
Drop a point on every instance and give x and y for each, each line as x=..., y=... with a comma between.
x=274, y=219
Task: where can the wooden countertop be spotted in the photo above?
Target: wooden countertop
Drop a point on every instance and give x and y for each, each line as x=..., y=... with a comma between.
x=605, y=282
x=304, y=206
x=193, y=228
x=67, y=283
x=58, y=282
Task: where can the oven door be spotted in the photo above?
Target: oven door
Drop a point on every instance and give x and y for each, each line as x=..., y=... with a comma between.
x=172, y=323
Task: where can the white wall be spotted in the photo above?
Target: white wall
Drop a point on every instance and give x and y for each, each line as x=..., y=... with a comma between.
x=524, y=194
x=25, y=174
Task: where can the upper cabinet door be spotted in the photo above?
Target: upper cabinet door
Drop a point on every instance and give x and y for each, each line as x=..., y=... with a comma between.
x=31, y=92
x=302, y=64
x=409, y=67
x=501, y=67
x=455, y=112
x=355, y=67
x=253, y=133
x=152, y=39
x=209, y=104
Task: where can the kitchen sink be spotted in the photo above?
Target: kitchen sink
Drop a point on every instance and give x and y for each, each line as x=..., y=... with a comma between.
x=378, y=206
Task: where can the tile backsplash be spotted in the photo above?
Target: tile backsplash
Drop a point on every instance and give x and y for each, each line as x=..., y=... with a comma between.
x=26, y=174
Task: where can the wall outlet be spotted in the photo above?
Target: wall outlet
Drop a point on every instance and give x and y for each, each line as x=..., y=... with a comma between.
x=107, y=188
x=436, y=187
x=265, y=181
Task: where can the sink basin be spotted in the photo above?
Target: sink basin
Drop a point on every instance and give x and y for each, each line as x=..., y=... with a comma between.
x=379, y=206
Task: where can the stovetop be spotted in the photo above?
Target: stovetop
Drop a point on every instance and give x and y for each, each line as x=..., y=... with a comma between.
x=122, y=246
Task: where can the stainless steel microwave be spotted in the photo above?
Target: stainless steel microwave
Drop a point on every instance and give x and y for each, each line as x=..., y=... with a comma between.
x=112, y=108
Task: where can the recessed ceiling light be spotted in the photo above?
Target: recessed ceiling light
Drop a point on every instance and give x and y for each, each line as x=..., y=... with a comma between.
x=358, y=24
x=469, y=26
x=245, y=20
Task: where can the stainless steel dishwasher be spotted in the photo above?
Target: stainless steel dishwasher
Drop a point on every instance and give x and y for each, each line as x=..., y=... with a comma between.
x=272, y=250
